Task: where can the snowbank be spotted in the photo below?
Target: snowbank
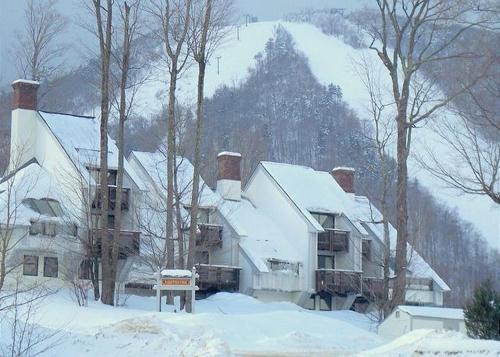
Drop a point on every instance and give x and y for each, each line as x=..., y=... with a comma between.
x=436, y=343
x=224, y=325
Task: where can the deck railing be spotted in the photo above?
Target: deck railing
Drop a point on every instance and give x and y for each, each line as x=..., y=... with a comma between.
x=128, y=245
x=125, y=204
x=210, y=235
x=218, y=277
x=333, y=240
x=336, y=281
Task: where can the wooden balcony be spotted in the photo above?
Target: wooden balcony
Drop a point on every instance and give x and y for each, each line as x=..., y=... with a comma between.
x=128, y=245
x=218, y=277
x=210, y=235
x=333, y=240
x=335, y=281
x=96, y=203
x=373, y=288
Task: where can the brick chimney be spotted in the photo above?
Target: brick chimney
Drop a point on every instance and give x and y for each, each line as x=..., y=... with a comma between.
x=229, y=175
x=345, y=178
x=24, y=128
x=25, y=94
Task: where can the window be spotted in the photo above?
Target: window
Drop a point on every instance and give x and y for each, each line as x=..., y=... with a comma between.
x=112, y=174
x=30, y=265
x=111, y=221
x=84, y=272
x=44, y=206
x=50, y=267
x=327, y=221
x=203, y=216
x=201, y=257
x=366, y=249
x=326, y=262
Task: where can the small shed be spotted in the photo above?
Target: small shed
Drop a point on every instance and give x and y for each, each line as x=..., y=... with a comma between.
x=408, y=318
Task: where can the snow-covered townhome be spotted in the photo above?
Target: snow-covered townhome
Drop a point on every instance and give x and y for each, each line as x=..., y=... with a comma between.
x=49, y=195
x=238, y=248
x=336, y=233
x=292, y=234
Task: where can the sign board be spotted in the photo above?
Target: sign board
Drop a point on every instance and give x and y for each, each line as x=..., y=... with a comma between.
x=176, y=280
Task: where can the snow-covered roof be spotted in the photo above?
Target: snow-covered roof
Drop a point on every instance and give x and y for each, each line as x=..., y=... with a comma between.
x=313, y=191
x=367, y=214
x=260, y=239
x=436, y=312
x=229, y=153
x=80, y=138
x=27, y=81
x=155, y=165
x=30, y=181
x=177, y=273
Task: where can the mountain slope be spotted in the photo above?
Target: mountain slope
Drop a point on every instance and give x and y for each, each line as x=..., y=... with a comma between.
x=331, y=61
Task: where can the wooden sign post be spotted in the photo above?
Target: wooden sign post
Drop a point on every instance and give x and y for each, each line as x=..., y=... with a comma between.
x=175, y=279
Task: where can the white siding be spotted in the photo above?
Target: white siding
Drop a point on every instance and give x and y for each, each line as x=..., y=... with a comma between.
x=266, y=195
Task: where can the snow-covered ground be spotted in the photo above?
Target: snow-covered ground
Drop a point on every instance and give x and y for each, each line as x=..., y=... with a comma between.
x=331, y=61
x=227, y=325
x=436, y=343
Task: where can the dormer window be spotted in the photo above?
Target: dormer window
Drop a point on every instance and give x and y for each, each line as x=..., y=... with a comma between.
x=326, y=220
x=44, y=206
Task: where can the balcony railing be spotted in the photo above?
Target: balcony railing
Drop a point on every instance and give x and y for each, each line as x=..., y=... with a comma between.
x=210, y=235
x=128, y=245
x=125, y=204
x=373, y=288
x=333, y=240
x=218, y=277
x=335, y=281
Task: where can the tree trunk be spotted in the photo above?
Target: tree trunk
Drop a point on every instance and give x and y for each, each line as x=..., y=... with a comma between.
x=107, y=296
x=169, y=244
x=193, y=228
x=399, y=290
x=179, y=225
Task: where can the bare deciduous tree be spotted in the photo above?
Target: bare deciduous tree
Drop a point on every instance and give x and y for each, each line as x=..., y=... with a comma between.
x=407, y=36
x=208, y=22
x=104, y=34
x=173, y=17
x=37, y=49
x=472, y=137
x=383, y=133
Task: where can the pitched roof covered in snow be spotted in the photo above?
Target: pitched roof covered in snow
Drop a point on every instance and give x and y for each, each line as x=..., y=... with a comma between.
x=260, y=239
x=20, y=188
x=313, y=191
x=433, y=312
x=367, y=214
x=80, y=138
x=155, y=165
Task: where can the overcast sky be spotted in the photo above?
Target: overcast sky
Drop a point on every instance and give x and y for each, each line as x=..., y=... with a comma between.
x=11, y=20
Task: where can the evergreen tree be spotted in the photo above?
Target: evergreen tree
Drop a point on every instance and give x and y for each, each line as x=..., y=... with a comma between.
x=482, y=313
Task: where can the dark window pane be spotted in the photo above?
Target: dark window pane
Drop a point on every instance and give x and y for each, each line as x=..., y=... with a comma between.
x=201, y=257
x=85, y=267
x=50, y=267
x=30, y=265
x=325, y=262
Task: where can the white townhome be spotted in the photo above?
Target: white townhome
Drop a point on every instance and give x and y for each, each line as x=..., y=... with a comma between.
x=293, y=233
x=49, y=196
x=337, y=235
x=238, y=247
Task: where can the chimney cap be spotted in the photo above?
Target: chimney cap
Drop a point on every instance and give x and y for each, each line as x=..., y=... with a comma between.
x=343, y=168
x=228, y=153
x=26, y=81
